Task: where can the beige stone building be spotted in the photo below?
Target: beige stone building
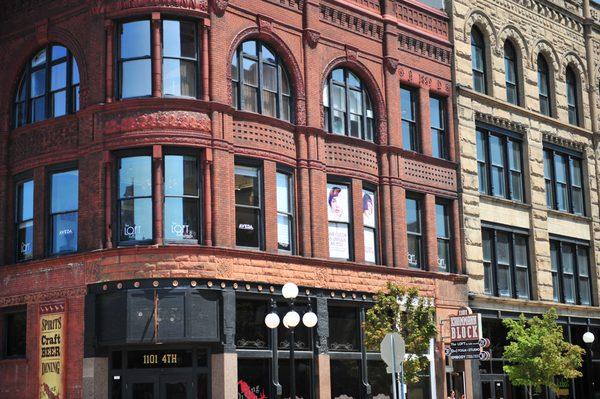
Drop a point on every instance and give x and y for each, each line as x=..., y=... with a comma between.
x=527, y=75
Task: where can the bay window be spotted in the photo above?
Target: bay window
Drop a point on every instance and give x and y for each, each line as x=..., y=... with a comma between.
x=182, y=198
x=570, y=264
x=64, y=205
x=505, y=263
x=369, y=201
x=135, y=62
x=414, y=232
x=500, y=164
x=339, y=217
x=285, y=212
x=180, y=58
x=134, y=201
x=24, y=220
x=564, y=179
x=248, y=206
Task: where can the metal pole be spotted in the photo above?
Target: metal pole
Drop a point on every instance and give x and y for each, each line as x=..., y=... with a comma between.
x=394, y=379
x=589, y=371
x=292, y=367
x=402, y=381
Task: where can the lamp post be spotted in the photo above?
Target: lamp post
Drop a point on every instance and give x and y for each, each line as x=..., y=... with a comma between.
x=291, y=321
x=588, y=339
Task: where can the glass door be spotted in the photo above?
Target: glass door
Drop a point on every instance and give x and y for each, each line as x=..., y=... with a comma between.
x=142, y=387
x=493, y=389
x=175, y=386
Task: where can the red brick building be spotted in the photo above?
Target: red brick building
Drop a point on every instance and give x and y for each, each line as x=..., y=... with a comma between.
x=167, y=165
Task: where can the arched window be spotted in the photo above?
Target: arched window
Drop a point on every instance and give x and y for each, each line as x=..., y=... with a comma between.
x=544, y=85
x=347, y=106
x=478, y=61
x=259, y=81
x=511, y=73
x=49, y=86
x=572, y=96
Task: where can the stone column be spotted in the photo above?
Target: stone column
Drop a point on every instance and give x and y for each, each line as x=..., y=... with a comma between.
x=157, y=177
x=156, y=51
x=224, y=375
x=95, y=377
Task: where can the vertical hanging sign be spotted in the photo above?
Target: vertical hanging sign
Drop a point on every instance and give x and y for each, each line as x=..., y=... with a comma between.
x=52, y=354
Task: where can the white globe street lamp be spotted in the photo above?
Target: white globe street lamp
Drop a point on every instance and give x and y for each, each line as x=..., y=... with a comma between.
x=289, y=291
x=309, y=319
x=272, y=320
x=588, y=339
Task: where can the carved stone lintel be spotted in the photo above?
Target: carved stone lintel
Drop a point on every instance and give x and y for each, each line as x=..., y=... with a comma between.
x=265, y=24
x=219, y=7
x=312, y=37
x=500, y=122
x=391, y=64
x=351, y=53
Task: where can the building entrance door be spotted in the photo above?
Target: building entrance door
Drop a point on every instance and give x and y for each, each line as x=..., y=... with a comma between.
x=493, y=388
x=166, y=386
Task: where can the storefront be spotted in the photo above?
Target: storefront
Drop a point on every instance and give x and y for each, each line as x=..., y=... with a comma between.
x=165, y=338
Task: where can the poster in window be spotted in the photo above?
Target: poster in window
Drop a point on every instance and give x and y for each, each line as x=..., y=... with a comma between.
x=339, y=241
x=368, y=201
x=370, y=245
x=52, y=356
x=337, y=203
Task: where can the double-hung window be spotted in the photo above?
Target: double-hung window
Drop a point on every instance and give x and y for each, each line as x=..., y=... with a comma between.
x=182, y=198
x=414, y=231
x=180, y=58
x=500, y=164
x=570, y=271
x=134, y=201
x=511, y=73
x=505, y=263
x=408, y=104
x=369, y=202
x=285, y=212
x=572, y=97
x=134, y=62
x=248, y=206
x=544, y=85
x=64, y=205
x=24, y=220
x=478, y=61
x=564, y=179
x=437, y=114
x=444, y=238
x=338, y=215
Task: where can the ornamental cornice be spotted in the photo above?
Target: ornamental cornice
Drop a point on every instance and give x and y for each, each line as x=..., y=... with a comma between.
x=423, y=48
x=500, y=122
x=37, y=297
x=564, y=142
x=109, y=6
x=351, y=22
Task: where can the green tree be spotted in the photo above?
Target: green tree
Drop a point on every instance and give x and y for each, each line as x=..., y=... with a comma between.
x=402, y=310
x=538, y=353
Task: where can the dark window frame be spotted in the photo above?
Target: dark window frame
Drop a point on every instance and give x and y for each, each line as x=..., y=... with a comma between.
x=118, y=156
x=449, y=240
x=367, y=123
x=18, y=183
x=551, y=181
x=118, y=83
x=486, y=165
x=371, y=188
x=259, y=166
x=238, y=82
x=543, y=73
x=576, y=274
x=343, y=181
x=511, y=59
x=420, y=236
x=573, y=102
x=196, y=61
x=479, y=45
x=175, y=151
x=50, y=171
x=291, y=178
x=442, y=130
x=4, y=334
x=493, y=229
x=413, y=123
x=24, y=84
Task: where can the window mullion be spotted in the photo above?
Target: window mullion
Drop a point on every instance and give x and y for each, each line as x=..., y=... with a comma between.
x=259, y=106
x=364, y=113
x=507, y=170
x=513, y=266
x=279, y=90
x=347, y=94
x=494, y=263
x=47, y=89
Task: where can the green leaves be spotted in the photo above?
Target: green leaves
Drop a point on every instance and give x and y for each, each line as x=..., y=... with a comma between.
x=402, y=310
x=538, y=353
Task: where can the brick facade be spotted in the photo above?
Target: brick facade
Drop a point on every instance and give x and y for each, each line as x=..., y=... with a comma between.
x=385, y=43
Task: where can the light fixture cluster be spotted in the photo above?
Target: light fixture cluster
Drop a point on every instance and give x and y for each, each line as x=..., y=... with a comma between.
x=291, y=318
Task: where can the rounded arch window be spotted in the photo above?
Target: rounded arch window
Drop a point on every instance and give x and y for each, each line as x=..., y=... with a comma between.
x=347, y=106
x=572, y=96
x=478, y=61
x=260, y=82
x=511, y=73
x=49, y=86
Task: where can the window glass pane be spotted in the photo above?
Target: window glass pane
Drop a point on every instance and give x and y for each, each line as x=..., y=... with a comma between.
x=181, y=175
x=370, y=240
x=522, y=282
x=575, y=172
x=368, y=201
x=253, y=378
x=503, y=247
x=135, y=177
x=560, y=168
x=442, y=221
x=285, y=83
x=339, y=122
x=407, y=98
x=64, y=232
x=38, y=109
x=247, y=221
x=284, y=233
x=547, y=164
x=339, y=240
x=38, y=83
x=250, y=71
x=136, y=78
x=25, y=241
x=250, y=97
x=379, y=379
x=270, y=77
x=135, y=39
x=269, y=103
x=496, y=150
x=355, y=98
x=414, y=251
x=26, y=200
x=181, y=219
x=285, y=108
x=58, y=77
x=338, y=200
x=584, y=291
x=16, y=334
x=504, y=281
x=481, y=156
x=355, y=125
x=582, y=261
x=179, y=39
x=437, y=143
x=520, y=250
x=283, y=192
x=487, y=245
x=65, y=193
x=75, y=71
x=436, y=113
x=303, y=377
x=179, y=78
x=514, y=148
x=59, y=103
x=251, y=331
x=353, y=80
x=247, y=186
x=343, y=329
x=39, y=58
x=338, y=75
x=567, y=258
x=249, y=47
x=413, y=217
x=267, y=55
x=443, y=256
x=347, y=382
x=338, y=97
x=136, y=220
